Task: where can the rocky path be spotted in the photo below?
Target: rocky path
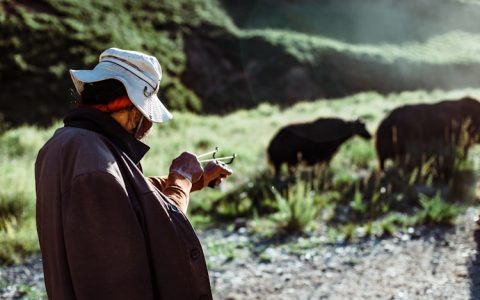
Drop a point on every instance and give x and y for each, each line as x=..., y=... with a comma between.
x=439, y=264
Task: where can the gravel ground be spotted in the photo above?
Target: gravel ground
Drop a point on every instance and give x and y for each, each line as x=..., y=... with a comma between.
x=23, y=281
x=437, y=264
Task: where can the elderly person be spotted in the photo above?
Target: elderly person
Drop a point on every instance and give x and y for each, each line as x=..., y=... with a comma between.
x=106, y=231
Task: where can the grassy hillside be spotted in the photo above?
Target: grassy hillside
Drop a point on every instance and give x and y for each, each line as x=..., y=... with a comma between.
x=287, y=51
x=42, y=40
x=344, y=192
x=359, y=22
x=214, y=66
x=283, y=67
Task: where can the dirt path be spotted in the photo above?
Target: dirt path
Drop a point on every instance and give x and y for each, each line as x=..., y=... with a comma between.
x=441, y=264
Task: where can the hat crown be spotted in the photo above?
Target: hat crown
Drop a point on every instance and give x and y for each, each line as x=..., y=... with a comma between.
x=140, y=74
x=146, y=64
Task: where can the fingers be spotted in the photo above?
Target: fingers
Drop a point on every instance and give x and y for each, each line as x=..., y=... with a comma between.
x=218, y=168
x=188, y=166
x=216, y=172
x=216, y=181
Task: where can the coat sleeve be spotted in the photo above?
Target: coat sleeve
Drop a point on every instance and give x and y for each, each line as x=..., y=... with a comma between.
x=104, y=242
x=175, y=187
x=160, y=182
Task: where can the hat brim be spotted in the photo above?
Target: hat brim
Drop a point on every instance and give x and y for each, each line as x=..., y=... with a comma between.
x=150, y=106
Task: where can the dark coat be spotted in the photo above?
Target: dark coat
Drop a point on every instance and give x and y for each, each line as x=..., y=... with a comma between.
x=413, y=134
x=105, y=231
x=312, y=143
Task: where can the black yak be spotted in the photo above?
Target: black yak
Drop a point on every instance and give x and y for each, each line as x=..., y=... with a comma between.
x=312, y=143
x=411, y=135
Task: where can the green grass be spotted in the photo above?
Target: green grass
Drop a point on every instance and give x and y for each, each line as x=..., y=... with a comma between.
x=435, y=210
x=18, y=239
x=441, y=49
x=17, y=196
x=246, y=133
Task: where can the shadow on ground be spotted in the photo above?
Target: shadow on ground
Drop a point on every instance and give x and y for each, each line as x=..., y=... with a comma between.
x=474, y=269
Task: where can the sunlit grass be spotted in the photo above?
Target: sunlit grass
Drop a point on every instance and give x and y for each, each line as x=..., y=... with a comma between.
x=441, y=49
x=245, y=132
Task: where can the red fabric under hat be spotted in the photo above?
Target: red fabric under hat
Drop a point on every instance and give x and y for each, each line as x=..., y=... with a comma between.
x=115, y=105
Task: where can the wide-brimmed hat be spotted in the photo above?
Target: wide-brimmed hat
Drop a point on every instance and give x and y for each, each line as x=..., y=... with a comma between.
x=139, y=73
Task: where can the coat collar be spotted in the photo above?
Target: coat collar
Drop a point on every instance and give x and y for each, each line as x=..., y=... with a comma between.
x=95, y=120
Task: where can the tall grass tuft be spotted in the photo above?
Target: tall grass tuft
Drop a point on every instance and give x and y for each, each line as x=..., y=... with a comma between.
x=435, y=210
x=18, y=239
x=18, y=148
x=297, y=207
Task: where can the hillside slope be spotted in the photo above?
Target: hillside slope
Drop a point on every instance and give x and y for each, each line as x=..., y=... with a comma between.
x=212, y=65
x=41, y=40
x=359, y=22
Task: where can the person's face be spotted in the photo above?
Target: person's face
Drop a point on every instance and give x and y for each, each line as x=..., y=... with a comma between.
x=139, y=126
x=133, y=121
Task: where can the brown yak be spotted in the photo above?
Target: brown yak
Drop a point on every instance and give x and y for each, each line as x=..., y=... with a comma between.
x=312, y=143
x=413, y=134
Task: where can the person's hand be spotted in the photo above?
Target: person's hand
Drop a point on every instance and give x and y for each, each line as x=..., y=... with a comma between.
x=187, y=166
x=214, y=173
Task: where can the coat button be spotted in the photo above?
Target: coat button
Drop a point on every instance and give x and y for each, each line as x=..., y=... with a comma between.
x=173, y=208
x=194, y=254
x=203, y=297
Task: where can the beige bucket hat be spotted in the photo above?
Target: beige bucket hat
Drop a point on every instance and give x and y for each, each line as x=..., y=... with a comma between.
x=139, y=73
